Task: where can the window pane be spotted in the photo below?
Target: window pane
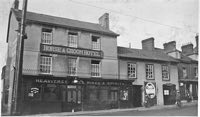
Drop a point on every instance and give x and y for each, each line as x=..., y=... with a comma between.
x=131, y=70
x=72, y=70
x=72, y=40
x=51, y=92
x=45, y=64
x=47, y=37
x=165, y=72
x=95, y=66
x=95, y=43
x=149, y=71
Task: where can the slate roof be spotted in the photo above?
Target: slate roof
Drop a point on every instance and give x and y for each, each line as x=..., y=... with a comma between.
x=64, y=22
x=156, y=55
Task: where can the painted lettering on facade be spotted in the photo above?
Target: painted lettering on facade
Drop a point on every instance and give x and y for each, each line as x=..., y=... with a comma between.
x=104, y=83
x=49, y=81
x=71, y=51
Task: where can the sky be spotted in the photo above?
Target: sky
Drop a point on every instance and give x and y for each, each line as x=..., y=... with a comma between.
x=134, y=20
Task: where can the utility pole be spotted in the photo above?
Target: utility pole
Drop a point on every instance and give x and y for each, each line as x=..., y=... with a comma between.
x=17, y=88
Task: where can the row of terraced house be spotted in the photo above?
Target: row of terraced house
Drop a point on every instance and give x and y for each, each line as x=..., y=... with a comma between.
x=71, y=65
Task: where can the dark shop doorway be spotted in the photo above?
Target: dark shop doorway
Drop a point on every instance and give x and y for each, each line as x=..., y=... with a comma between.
x=169, y=94
x=137, y=95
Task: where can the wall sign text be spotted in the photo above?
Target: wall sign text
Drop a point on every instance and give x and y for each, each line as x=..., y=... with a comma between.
x=71, y=51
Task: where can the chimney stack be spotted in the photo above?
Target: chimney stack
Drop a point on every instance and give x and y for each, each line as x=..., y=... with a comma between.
x=16, y=4
x=187, y=49
x=197, y=42
x=104, y=20
x=170, y=46
x=148, y=44
x=129, y=45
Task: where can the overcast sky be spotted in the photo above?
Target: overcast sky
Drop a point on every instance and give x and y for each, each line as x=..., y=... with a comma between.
x=134, y=20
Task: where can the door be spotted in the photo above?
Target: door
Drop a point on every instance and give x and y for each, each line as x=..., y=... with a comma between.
x=73, y=101
x=169, y=94
x=137, y=96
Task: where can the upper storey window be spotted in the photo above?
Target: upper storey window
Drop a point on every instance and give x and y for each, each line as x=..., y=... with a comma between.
x=149, y=71
x=95, y=43
x=72, y=39
x=96, y=68
x=165, y=72
x=47, y=36
x=46, y=64
x=196, y=72
x=184, y=72
x=131, y=70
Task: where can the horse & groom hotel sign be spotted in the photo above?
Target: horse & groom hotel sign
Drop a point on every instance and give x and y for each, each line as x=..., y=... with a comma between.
x=55, y=49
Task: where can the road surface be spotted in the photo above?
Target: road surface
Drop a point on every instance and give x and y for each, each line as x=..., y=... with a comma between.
x=184, y=111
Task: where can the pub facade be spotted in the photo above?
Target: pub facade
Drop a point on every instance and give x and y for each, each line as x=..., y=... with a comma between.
x=68, y=65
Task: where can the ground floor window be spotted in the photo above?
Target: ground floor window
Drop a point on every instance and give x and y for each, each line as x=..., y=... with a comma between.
x=124, y=94
x=51, y=92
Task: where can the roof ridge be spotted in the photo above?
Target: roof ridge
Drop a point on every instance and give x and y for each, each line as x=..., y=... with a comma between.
x=18, y=10
x=56, y=20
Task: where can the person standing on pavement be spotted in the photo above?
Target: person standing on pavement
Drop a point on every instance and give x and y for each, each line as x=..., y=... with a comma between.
x=178, y=99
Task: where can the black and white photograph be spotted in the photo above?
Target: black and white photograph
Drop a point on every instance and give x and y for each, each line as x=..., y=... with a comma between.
x=99, y=57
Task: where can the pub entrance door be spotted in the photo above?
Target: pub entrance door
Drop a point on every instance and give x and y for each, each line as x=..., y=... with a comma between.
x=169, y=94
x=73, y=99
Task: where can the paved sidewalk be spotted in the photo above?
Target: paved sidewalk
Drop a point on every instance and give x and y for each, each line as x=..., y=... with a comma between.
x=117, y=110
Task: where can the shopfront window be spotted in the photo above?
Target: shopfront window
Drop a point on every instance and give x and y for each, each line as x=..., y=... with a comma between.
x=51, y=92
x=113, y=95
x=124, y=94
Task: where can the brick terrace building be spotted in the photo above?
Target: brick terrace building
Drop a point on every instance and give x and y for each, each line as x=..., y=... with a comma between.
x=68, y=65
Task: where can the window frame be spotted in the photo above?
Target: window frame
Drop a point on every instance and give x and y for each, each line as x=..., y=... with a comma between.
x=46, y=32
x=95, y=70
x=51, y=59
x=69, y=39
x=168, y=72
x=184, y=68
x=153, y=74
x=93, y=43
x=196, y=72
x=135, y=70
x=76, y=64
